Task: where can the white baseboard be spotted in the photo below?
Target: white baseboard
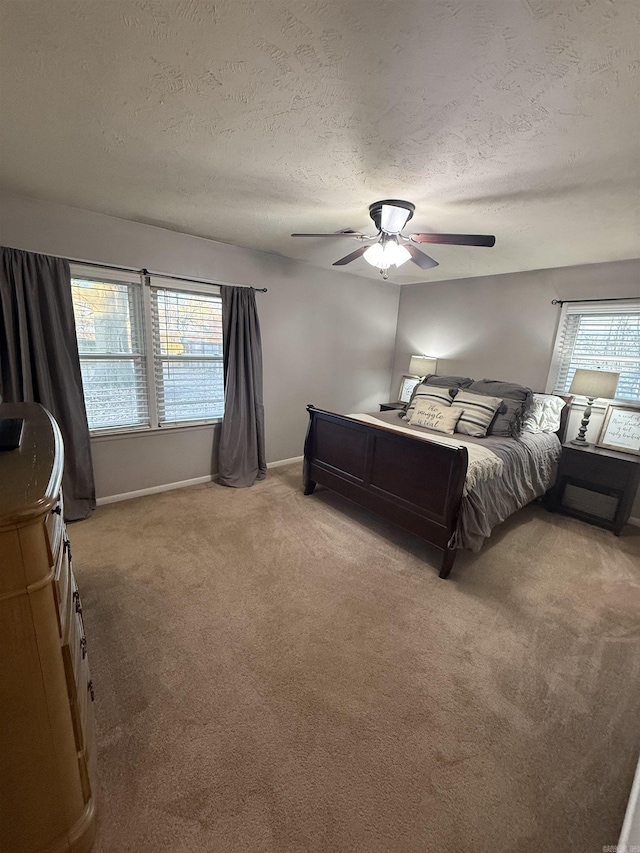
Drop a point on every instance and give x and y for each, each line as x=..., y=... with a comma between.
x=153, y=490
x=284, y=461
x=168, y=487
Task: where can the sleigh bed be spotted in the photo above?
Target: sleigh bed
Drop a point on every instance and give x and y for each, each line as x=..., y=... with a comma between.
x=424, y=482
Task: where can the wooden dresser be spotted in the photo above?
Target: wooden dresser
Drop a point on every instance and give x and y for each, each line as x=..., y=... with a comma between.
x=47, y=741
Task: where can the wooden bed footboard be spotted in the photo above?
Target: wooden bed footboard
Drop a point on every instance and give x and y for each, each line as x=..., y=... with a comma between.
x=416, y=484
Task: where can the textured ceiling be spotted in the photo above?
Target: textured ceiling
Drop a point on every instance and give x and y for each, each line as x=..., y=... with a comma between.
x=242, y=122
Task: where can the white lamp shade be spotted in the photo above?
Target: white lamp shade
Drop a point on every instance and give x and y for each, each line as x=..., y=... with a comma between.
x=386, y=255
x=399, y=255
x=421, y=365
x=594, y=383
x=375, y=256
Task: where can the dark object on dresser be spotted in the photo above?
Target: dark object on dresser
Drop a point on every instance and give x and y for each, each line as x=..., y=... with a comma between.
x=390, y=407
x=596, y=485
x=416, y=484
x=10, y=433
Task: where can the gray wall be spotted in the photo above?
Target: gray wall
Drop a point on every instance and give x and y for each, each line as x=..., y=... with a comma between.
x=503, y=326
x=327, y=337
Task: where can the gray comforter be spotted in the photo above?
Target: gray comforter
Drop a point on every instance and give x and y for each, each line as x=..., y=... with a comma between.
x=529, y=468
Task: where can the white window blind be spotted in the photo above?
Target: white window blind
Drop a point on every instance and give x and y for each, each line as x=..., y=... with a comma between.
x=108, y=317
x=187, y=347
x=603, y=336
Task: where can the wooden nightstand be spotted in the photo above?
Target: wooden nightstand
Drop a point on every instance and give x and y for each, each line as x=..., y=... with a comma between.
x=389, y=407
x=596, y=485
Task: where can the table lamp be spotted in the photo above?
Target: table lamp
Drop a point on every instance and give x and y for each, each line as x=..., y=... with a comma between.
x=422, y=365
x=591, y=384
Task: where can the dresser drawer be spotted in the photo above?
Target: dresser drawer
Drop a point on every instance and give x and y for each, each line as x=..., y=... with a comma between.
x=75, y=636
x=86, y=695
x=54, y=524
x=62, y=588
x=604, y=471
x=79, y=686
x=83, y=699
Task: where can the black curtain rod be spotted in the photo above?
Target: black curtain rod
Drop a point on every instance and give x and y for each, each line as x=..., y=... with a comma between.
x=144, y=271
x=198, y=280
x=612, y=299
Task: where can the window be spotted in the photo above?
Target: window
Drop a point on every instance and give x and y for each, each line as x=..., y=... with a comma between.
x=110, y=342
x=150, y=356
x=604, y=335
x=187, y=346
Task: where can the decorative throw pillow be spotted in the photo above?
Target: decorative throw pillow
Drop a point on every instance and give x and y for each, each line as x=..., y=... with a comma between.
x=544, y=415
x=427, y=392
x=435, y=416
x=517, y=400
x=508, y=421
x=477, y=412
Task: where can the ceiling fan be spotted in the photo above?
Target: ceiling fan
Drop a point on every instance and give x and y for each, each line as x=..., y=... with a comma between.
x=391, y=247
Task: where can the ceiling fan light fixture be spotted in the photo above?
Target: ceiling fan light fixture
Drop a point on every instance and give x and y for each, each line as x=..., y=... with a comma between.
x=389, y=217
x=375, y=255
x=399, y=254
x=386, y=254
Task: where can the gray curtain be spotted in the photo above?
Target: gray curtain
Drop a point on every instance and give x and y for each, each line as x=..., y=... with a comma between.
x=39, y=360
x=241, y=455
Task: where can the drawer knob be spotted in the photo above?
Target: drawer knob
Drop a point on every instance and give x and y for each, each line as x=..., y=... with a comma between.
x=57, y=510
x=90, y=689
x=83, y=646
x=78, y=603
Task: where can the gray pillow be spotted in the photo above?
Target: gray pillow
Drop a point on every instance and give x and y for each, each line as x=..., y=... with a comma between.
x=447, y=381
x=509, y=419
x=497, y=388
x=517, y=400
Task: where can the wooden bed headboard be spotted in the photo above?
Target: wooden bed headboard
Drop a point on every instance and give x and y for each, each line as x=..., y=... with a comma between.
x=564, y=417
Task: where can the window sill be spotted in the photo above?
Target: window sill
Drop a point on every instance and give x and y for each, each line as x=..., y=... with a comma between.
x=131, y=432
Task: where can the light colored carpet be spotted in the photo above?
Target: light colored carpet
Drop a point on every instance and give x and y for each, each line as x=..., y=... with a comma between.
x=277, y=672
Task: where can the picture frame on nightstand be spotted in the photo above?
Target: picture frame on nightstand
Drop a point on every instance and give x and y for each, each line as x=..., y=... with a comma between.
x=620, y=429
x=407, y=384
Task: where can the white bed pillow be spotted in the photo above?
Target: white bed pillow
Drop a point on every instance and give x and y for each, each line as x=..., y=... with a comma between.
x=435, y=416
x=544, y=415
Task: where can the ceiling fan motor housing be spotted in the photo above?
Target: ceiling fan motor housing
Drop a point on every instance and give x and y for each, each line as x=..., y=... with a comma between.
x=375, y=211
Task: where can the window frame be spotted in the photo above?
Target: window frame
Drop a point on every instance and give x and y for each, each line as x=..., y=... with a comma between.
x=160, y=283
x=582, y=308
x=146, y=283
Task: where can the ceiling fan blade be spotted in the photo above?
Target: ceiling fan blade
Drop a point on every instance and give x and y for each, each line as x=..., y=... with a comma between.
x=420, y=258
x=393, y=219
x=333, y=234
x=352, y=257
x=456, y=239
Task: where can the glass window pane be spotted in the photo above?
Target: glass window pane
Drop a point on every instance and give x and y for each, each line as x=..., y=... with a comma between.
x=106, y=317
x=607, y=341
x=187, y=329
x=191, y=390
x=188, y=323
x=114, y=392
